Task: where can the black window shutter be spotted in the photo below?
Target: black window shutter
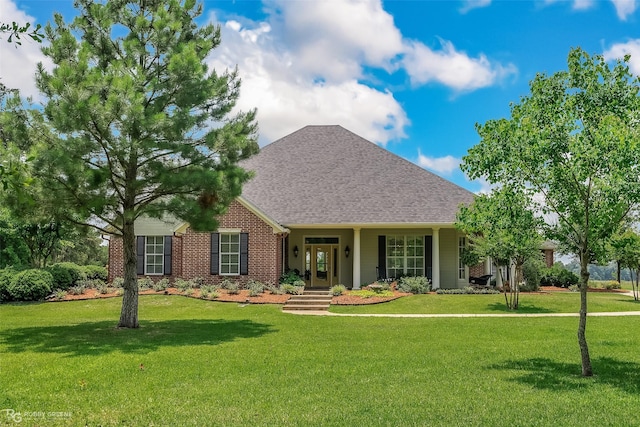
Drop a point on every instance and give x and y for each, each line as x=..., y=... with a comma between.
x=167, y=255
x=215, y=253
x=140, y=254
x=382, y=257
x=244, y=254
x=428, y=256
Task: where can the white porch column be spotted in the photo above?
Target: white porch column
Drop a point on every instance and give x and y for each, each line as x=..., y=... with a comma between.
x=487, y=266
x=356, y=258
x=435, y=259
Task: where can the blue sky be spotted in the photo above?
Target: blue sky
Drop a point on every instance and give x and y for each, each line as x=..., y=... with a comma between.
x=413, y=76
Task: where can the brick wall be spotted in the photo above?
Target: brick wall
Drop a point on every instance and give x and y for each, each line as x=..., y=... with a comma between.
x=192, y=251
x=476, y=270
x=548, y=257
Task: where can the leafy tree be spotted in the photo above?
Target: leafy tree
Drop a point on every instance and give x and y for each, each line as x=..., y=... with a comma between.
x=13, y=250
x=626, y=249
x=142, y=126
x=502, y=227
x=573, y=142
x=16, y=30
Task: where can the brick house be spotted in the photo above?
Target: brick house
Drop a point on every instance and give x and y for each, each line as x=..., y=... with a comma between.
x=327, y=203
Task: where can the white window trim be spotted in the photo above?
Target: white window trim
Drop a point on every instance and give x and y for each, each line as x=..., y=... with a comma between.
x=226, y=232
x=405, y=256
x=146, y=264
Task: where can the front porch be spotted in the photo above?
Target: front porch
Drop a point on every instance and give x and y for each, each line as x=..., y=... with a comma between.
x=361, y=255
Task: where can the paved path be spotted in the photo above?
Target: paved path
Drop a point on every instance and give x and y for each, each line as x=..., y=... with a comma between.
x=601, y=314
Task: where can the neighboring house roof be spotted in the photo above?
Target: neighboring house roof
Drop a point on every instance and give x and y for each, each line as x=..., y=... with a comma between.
x=327, y=175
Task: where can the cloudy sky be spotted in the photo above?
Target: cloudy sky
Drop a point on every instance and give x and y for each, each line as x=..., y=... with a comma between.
x=412, y=76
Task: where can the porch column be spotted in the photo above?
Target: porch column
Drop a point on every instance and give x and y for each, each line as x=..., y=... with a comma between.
x=487, y=266
x=356, y=258
x=435, y=259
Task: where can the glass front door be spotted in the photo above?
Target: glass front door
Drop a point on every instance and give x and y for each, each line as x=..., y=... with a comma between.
x=321, y=265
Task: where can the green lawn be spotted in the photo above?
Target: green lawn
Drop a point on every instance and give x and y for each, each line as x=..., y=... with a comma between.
x=208, y=363
x=556, y=302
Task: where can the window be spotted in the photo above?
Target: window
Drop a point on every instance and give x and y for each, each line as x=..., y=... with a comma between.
x=229, y=254
x=405, y=256
x=462, y=244
x=154, y=255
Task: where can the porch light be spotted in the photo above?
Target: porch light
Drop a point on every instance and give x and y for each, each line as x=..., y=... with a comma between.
x=295, y=251
x=347, y=251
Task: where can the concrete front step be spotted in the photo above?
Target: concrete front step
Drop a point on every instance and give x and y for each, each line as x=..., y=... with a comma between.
x=295, y=307
x=310, y=300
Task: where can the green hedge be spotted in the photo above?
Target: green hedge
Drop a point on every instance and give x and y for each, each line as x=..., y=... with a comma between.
x=62, y=278
x=94, y=272
x=5, y=278
x=30, y=285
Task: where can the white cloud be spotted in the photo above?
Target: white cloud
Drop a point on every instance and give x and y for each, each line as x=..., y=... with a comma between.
x=468, y=5
x=18, y=63
x=288, y=96
x=307, y=63
x=444, y=165
x=583, y=4
x=624, y=8
x=619, y=50
x=334, y=39
x=451, y=67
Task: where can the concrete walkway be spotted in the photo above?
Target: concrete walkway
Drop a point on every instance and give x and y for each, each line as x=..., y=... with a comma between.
x=601, y=314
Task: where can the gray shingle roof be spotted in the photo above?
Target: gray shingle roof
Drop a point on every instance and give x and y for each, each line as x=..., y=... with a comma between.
x=329, y=175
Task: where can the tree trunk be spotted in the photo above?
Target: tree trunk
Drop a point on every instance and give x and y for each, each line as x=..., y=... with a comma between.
x=582, y=326
x=129, y=313
x=635, y=288
x=618, y=272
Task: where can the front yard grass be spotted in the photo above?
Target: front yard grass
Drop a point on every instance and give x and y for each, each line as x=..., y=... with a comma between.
x=555, y=302
x=197, y=362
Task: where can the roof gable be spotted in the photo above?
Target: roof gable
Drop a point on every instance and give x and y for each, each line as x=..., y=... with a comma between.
x=329, y=175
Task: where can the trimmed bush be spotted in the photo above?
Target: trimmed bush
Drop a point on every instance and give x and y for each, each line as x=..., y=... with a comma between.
x=5, y=278
x=532, y=272
x=558, y=276
x=62, y=278
x=77, y=273
x=414, y=285
x=255, y=288
x=95, y=272
x=30, y=285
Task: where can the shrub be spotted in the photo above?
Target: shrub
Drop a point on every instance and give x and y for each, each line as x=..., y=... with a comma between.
x=232, y=288
x=183, y=285
x=208, y=291
x=77, y=289
x=558, y=276
x=145, y=283
x=161, y=285
x=226, y=283
x=30, y=285
x=574, y=288
x=197, y=282
x=338, y=290
x=5, y=278
x=118, y=282
x=291, y=289
x=102, y=288
x=366, y=293
x=275, y=290
x=77, y=273
x=289, y=278
x=95, y=272
x=62, y=278
x=414, y=285
x=255, y=288
x=532, y=272
x=59, y=294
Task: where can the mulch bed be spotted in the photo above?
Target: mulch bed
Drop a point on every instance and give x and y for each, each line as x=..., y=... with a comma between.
x=268, y=298
x=242, y=296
